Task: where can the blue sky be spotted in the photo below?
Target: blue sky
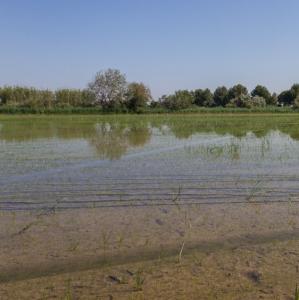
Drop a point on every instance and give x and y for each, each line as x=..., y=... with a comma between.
x=167, y=44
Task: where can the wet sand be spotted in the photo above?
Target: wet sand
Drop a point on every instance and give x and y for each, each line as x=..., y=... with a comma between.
x=42, y=249
x=264, y=271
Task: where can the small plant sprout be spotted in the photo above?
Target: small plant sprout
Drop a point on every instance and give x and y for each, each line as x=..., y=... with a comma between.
x=296, y=293
x=139, y=280
x=68, y=294
x=105, y=241
x=181, y=252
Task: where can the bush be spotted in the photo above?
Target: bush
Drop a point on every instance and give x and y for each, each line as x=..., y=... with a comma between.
x=257, y=102
x=242, y=101
x=180, y=100
x=296, y=103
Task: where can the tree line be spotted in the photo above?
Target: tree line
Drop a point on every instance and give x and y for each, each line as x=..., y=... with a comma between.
x=237, y=96
x=110, y=91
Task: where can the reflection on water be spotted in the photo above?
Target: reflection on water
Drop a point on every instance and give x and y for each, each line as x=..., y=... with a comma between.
x=112, y=137
x=112, y=140
x=80, y=161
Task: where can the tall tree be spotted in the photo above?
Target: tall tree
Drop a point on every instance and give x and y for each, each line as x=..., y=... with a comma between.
x=286, y=97
x=295, y=90
x=138, y=96
x=203, y=98
x=221, y=96
x=109, y=88
x=237, y=91
x=262, y=91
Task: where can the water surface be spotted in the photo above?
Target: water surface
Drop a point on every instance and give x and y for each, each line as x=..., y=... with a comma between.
x=67, y=162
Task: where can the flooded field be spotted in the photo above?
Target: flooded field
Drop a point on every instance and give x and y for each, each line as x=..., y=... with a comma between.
x=78, y=193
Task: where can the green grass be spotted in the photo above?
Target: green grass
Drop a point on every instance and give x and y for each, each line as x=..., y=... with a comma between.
x=196, y=109
x=68, y=293
x=296, y=293
x=98, y=110
x=65, y=110
x=138, y=280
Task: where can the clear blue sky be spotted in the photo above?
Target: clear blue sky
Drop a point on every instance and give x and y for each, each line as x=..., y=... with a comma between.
x=167, y=44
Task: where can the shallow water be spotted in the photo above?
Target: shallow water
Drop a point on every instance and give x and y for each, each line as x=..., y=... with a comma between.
x=75, y=190
x=88, y=161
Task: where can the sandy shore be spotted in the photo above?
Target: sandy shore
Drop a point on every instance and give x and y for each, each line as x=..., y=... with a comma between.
x=265, y=271
x=226, y=251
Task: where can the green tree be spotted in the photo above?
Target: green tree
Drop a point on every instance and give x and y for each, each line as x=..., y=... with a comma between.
x=26, y=97
x=236, y=91
x=286, y=98
x=179, y=100
x=296, y=102
x=295, y=90
x=203, y=98
x=137, y=96
x=262, y=91
x=221, y=96
x=74, y=98
x=68, y=98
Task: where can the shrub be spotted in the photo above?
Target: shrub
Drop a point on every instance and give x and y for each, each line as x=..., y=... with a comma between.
x=180, y=100
x=242, y=101
x=296, y=103
x=257, y=101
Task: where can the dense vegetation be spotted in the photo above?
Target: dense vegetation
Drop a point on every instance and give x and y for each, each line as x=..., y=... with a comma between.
x=110, y=92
